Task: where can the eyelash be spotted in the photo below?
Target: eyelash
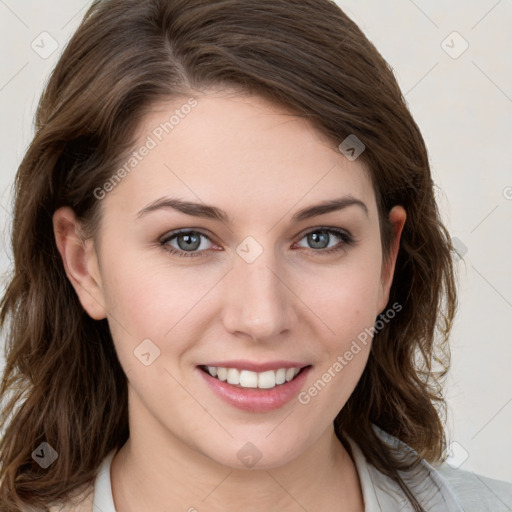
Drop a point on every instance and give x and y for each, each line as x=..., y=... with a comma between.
x=346, y=238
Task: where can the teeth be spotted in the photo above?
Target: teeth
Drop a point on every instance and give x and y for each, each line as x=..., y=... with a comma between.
x=247, y=379
x=281, y=376
x=290, y=373
x=267, y=380
x=233, y=376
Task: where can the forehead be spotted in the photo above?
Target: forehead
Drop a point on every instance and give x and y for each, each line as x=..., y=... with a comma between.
x=239, y=150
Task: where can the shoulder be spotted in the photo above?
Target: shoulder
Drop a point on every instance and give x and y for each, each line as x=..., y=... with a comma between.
x=476, y=492
x=463, y=490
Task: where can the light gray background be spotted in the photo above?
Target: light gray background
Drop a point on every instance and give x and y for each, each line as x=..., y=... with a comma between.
x=463, y=105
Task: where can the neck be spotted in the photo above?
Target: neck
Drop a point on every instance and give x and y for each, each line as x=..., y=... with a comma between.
x=159, y=472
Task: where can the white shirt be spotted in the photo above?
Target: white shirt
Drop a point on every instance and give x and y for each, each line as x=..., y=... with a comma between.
x=441, y=489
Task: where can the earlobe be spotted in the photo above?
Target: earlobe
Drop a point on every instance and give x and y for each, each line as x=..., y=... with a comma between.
x=80, y=262
x=397, y=217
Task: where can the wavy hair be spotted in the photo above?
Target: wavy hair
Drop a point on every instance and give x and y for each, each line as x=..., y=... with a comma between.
x=62, y=383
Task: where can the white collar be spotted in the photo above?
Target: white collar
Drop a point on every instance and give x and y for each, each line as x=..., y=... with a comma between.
x=103, y=499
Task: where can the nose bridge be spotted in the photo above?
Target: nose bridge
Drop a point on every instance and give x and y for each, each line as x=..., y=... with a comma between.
x=258, y=303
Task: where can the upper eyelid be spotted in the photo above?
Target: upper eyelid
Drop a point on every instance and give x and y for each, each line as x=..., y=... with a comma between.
x=175, y=233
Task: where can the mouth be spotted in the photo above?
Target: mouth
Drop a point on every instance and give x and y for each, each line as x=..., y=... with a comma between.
x=253, y=380
x=253, y=391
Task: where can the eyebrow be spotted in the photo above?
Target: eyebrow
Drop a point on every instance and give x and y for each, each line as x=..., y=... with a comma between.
x=212, y=212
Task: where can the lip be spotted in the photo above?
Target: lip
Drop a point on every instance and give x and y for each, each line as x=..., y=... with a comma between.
x=253, y=399
x=242, y=364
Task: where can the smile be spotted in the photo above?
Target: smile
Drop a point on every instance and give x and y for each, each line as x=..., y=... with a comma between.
x=255, y=391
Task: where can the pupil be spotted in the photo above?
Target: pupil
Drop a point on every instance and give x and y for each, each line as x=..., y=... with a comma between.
x=317, y=240
x=190, y=241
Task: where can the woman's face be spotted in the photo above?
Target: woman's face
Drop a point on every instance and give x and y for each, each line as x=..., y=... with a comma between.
x=265, y=277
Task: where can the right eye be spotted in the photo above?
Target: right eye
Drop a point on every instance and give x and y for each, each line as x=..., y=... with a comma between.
x=187, y=243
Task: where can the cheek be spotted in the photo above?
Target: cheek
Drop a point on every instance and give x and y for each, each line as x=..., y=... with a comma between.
x=163, y=302
x=347, y=305
x=345, y=297
x=350, y=316
x=153, y=296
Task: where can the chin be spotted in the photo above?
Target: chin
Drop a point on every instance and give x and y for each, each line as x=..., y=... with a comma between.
x=257, y=452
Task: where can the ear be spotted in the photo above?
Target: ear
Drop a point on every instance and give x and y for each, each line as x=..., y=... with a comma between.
x=80, y=262
x=397, y=217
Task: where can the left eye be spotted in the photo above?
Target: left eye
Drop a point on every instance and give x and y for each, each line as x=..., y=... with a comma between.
x=319, y=237
x=189, y=243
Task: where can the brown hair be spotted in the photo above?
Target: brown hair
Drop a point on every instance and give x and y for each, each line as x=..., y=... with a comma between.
x=62, y=382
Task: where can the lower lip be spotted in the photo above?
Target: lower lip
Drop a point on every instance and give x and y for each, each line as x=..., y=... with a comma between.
x=255, y=399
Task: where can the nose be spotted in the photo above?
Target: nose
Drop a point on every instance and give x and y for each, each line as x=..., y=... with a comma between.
x=259, y=300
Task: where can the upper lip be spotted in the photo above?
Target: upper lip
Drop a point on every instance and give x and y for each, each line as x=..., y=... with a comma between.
x=253, y=366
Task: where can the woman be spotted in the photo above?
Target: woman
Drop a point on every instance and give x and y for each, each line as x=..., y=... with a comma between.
x=232, y=288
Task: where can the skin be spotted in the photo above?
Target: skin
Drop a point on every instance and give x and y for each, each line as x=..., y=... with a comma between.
x=237, y=152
